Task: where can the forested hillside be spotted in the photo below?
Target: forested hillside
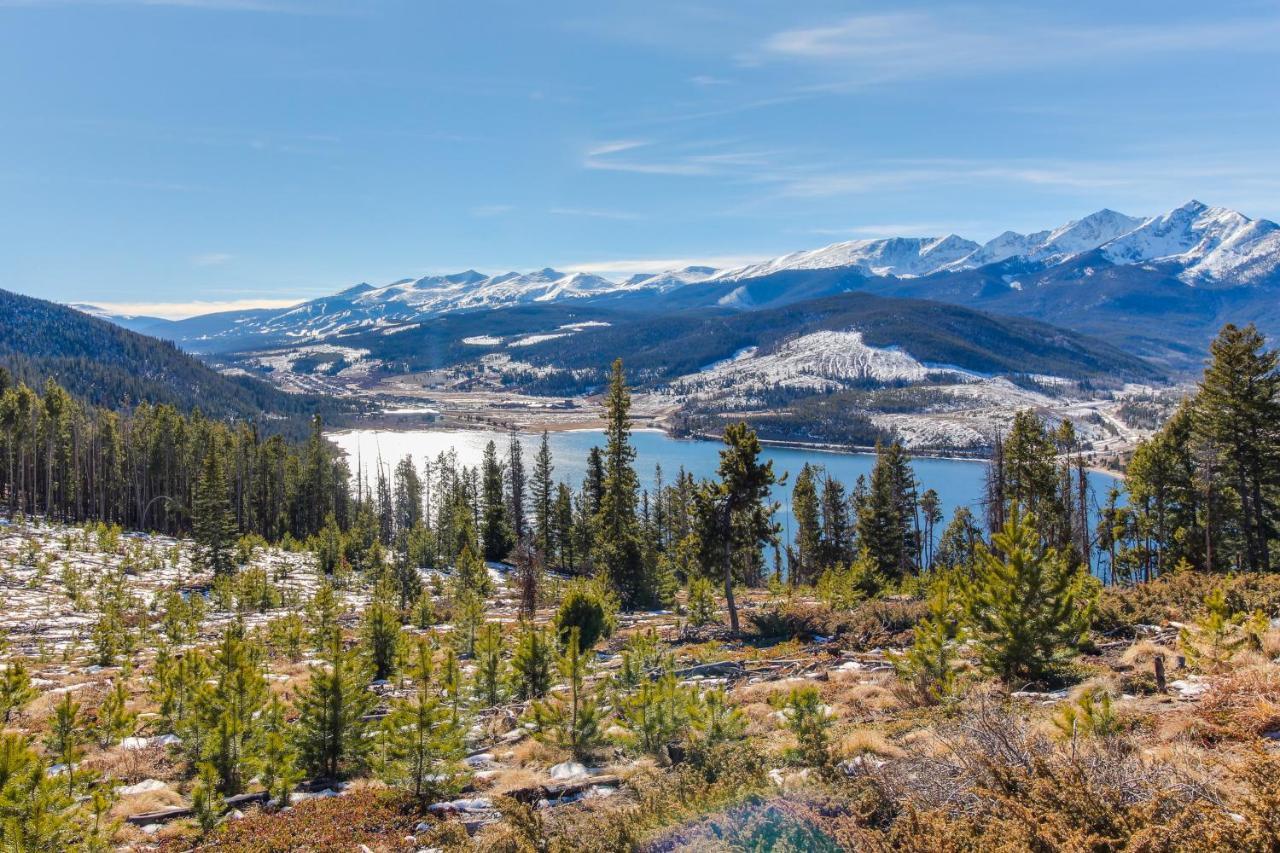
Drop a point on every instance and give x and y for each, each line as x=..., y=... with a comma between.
x=104, y=365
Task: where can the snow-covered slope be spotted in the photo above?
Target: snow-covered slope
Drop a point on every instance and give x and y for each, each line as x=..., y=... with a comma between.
x=1211, y=243
x=819, y=361
x=1204, y=245
x=899, y=256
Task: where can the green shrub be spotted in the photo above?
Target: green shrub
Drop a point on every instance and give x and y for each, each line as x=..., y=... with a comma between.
x=587, y=607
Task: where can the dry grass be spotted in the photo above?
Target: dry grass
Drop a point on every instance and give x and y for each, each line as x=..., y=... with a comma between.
x=1141, y=654
x=1244, y=702
x=867, y=742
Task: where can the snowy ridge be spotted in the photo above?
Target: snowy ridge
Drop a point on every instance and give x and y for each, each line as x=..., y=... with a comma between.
x=819, y=361
x=900, y=256
x=1210, y=245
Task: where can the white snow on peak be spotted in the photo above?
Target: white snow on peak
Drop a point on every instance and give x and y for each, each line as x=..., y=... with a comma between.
x=1208, y=242
x=898, y=256
x=1073, y=238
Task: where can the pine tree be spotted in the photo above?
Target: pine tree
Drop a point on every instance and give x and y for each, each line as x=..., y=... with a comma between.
x=208, y=806
x=928, y=667
x=1026, y=608
x=810, y=721
x=233, y=709
x=330, y=730
x=279, y=760
x=735, y=517
x=491, y=667
x=886, y=519
x=517, y=487
x=66, y=738
x=381, y=631
x=422, y=746
x=213, y=525
x=571, y=720
x=322, y=615
x=656, y=712
x=496, y=531
x=715, y=718
x=702, y=602
x=1212, y=641
x=1237, y=416
x=544, y=499
x=532, y=662
x=15, y=689
x=471, y=575
x=617, y=545
x=115, y=720
x=808, y=536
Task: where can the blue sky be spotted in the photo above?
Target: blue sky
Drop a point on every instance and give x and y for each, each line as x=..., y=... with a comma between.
x=176, y=155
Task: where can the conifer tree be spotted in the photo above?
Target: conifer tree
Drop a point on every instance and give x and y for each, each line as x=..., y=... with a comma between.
x=491, y=667
x=115, y=720
x=886, y=518
x=809, y=720
x=715, y=718
x=330, y=730
x=279, y=760
x=928, y=666
x=496, y=531
x=1237, y=416
x=422, y=746
x=213, y=524
x=544, y=498
x=571, y=720
x=532, y=662
x=208, y=806
x=1212, y=641
x=233, y=708
x=322, y=615
x=656, y=712
x=381, y=631
x=735, y=517
x=517, y=487
x=66, y=738
x=618, y=550
x=15, y=689
x=1027, y=608
x=808, y=536
x=471, y=575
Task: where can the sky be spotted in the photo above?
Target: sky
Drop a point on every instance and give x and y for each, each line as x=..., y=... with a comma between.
x=174, y=157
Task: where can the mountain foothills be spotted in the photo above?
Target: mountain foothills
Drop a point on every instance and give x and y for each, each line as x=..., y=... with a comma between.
x=105, y=365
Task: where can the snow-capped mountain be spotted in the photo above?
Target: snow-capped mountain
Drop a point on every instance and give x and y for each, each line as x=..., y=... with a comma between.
x=897, y=256
x=1041, y=274
x=1209, y=243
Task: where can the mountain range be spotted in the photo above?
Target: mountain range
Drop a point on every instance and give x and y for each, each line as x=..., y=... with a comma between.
x=1157, y=286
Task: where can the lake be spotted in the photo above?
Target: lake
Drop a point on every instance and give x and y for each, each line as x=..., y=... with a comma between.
x=958, y=482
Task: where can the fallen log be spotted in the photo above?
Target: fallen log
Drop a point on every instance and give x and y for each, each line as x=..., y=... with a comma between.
x=179, y=812
x=531, y=794
x=721, y=668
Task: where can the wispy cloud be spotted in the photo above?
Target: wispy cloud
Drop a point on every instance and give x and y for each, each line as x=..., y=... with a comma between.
x=631, y=266
x=487, y=210
x=212, y=259
x=182, y=310
x=709, y=157
x=896, y=229
x=591, y=213
x=312, y=7
x=875, y=48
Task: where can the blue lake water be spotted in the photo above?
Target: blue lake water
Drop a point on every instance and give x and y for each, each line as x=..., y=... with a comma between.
x=958, y=482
